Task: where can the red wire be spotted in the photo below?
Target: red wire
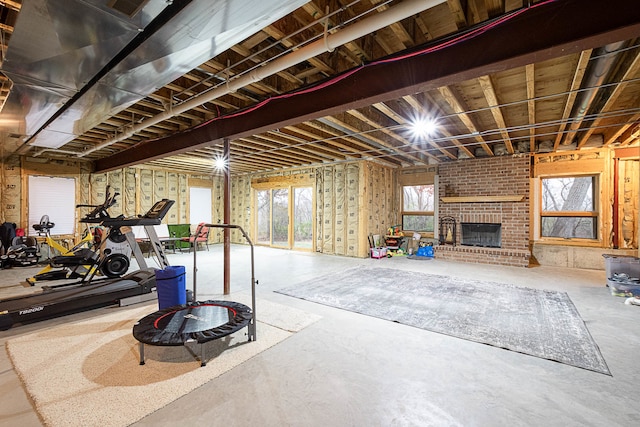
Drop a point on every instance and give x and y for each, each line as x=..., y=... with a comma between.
x=463, y=37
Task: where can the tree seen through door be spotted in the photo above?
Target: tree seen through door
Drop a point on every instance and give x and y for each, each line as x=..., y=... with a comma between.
x=279, y=225
x=280, y=217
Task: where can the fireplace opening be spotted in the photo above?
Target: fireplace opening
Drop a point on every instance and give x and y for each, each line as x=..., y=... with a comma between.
x=481, y=234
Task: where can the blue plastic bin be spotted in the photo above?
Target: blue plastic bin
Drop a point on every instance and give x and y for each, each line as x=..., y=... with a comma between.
x=171, y=286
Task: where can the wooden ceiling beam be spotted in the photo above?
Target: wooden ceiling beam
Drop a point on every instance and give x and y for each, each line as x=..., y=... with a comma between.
x=300, y=144
x=272, y=145
x=418, y=155
x=258, y=59
x=494, y=104
x=385, y=149
x=350, y=147
x=240, y=158
x=351, y=51
x=593, y=24
x=494, y=7
x=455, y=6
x=415, y=104
x=398, y=30
x=530, y=78
x=12, y=4
x=314, y=141
x=456, y=105
x=260, y=147
x=623, y=134
x=631, y=135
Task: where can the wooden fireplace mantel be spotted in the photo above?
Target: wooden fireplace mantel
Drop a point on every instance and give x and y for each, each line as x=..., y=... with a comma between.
x=483, y=199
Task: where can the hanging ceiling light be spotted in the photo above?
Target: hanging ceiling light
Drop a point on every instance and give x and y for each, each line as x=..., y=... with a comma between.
x=422, y=127
x=220, y=162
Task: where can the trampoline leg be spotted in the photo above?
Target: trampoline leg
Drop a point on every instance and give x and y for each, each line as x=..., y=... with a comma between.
x=203, y=361
x=141, y=348
x=251, y=331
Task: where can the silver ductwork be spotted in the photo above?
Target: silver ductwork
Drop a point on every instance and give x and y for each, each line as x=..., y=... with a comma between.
x=57, y=49
x=361, y=28
x=600, y=69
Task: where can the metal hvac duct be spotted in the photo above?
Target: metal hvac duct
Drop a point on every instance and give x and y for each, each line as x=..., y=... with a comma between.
x=58, y=48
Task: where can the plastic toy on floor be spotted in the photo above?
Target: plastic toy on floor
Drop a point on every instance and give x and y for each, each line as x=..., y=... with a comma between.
x=632, y=301
x=424, y=252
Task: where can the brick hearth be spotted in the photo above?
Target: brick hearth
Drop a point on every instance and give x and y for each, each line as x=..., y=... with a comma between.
x=478, y=178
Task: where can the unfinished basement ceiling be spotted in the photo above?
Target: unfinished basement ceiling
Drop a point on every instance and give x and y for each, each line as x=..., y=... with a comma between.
x=303, y=83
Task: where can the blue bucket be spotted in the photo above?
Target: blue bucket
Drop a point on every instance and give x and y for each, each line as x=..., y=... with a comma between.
x=171, y=286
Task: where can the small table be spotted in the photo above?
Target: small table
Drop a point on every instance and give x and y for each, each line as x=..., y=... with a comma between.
x=170, y=242
x=166, y=242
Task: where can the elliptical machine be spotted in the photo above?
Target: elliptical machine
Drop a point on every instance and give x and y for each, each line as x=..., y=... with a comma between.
x=111, y=259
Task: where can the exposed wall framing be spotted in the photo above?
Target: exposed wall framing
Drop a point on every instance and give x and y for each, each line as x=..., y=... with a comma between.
x=11, y=190
x=629, y=203
x=339, y=210
x=352, y=214
x=379, y=209
x=240, y=206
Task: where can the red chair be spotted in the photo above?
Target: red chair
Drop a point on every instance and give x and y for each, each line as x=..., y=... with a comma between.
x=202, y=237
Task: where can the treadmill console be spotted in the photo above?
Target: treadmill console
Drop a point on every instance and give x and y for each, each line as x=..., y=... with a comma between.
x=152, y=217
x=159, y=209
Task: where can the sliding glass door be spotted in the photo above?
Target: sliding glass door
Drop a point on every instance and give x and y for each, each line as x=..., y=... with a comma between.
x=280, y=217
x=263, y=217
x=284, y=217
x=303, y=218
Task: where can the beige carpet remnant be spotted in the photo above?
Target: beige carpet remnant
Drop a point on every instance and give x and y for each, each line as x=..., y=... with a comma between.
x=88, y=373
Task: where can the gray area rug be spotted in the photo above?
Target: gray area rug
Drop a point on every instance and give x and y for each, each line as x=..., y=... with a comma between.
x=536, y=322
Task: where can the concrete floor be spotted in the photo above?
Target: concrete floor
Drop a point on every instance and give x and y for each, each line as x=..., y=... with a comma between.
x=352, y=370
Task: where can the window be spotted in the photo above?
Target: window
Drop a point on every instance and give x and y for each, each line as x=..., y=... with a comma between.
x=56, y=198
x=569, y=208
x=199, y=205
x=418, y=203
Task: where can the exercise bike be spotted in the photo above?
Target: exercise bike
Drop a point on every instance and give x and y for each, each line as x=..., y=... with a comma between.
x=111, y=258
x=64, y=263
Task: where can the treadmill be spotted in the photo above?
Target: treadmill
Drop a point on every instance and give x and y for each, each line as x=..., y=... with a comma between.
x=54, y=302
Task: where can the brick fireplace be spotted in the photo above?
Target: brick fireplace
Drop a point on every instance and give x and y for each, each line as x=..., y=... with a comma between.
x=485, y=194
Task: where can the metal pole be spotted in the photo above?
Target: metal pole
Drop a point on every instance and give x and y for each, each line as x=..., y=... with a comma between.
x=195, y=267
x=254, y=282
x=227, y=219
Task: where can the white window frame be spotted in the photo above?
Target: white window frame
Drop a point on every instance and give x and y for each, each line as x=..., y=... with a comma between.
x=200, y=205
x=55, y=197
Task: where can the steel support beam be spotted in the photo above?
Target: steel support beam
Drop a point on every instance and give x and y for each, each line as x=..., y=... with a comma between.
x=543, y=32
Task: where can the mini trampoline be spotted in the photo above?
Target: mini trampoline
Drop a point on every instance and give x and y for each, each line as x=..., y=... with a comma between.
x=198, y=322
